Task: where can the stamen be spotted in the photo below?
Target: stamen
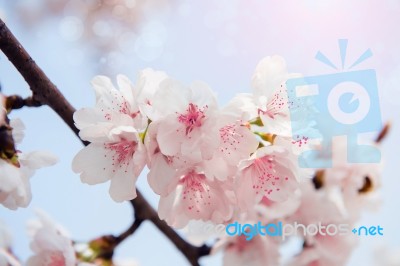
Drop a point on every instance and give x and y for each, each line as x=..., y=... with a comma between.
x=193, y=118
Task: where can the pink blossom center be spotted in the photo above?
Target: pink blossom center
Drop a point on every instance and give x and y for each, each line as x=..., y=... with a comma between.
x=195, y=191
x=119, y=105
x=122, y=152
x=266, y=180
x=300, y=141
x=193, y=118
x=230, y=138
x=275, y=105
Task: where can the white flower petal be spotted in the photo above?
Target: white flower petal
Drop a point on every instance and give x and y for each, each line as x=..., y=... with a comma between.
x=18, y=130
x=92, y=164
x=123, y=186
x=38, y=159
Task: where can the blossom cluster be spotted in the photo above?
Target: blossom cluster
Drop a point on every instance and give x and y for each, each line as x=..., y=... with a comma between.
x=208, y=164
x=220, y=164
x=203, y=160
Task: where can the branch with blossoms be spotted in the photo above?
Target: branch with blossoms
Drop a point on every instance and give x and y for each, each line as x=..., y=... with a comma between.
x=209, y=165
x=46, y=93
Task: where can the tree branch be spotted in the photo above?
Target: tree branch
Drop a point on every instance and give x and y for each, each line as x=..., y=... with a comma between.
x=46, y=93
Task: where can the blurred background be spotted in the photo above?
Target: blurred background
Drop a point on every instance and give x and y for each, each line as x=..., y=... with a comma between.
x=219, y=42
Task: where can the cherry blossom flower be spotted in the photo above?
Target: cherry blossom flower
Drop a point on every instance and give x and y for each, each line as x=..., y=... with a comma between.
x=214, y=166
x=188, y=126
x=127, y=106
x=117, y=152
x=270, y=95
x=120, y=159
x=237, y=143
x=146, y=87
x=15, y=190
x=186, y=192
x=50, y=244
x=163, y=169
x=275, y=109
x=270, y=173
x=172, y=175
x=113, y=107
x=195, y=197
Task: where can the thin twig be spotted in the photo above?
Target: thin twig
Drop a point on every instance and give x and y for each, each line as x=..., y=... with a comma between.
x=383, y=133
x=46, y=93
x=17, y=102
x=135, y=225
